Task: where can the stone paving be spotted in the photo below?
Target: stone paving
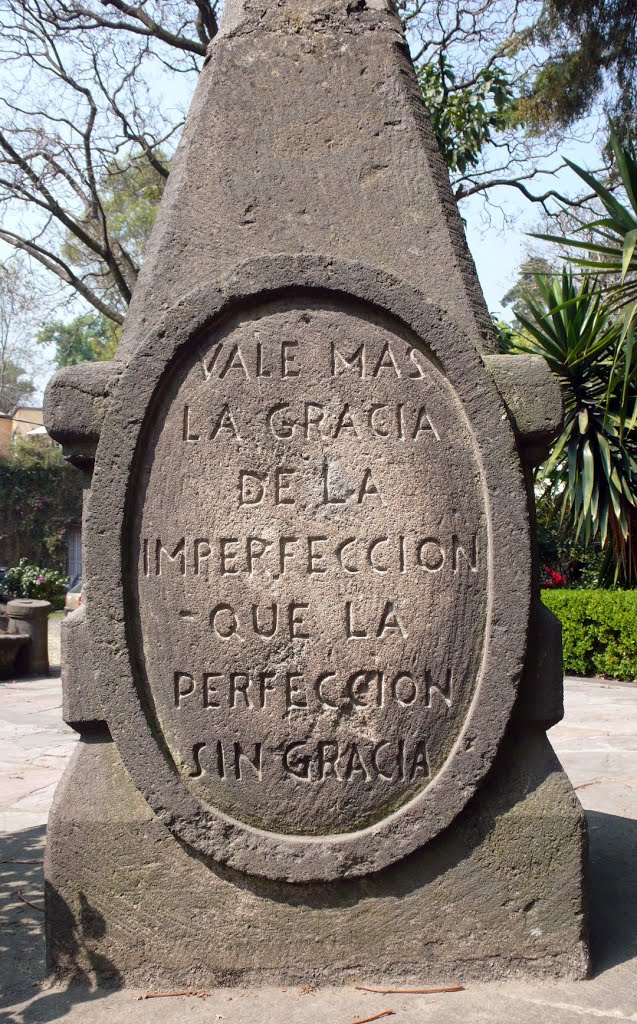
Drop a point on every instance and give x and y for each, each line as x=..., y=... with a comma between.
x=597, y=744
x=35, y=745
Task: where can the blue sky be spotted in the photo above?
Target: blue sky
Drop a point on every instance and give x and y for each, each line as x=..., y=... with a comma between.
x=498, y=250
x=498, y=242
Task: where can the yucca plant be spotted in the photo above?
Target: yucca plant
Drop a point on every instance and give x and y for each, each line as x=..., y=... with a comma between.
x=610, y=248
x=591, y=475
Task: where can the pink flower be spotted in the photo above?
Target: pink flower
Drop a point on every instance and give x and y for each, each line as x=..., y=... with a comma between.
x=41, y=579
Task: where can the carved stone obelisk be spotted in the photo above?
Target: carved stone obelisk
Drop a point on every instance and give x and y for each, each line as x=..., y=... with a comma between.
x=312, y=676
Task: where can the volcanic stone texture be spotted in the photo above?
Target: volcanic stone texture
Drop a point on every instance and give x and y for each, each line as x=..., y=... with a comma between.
x=498, y=895
x=307, y=134
x=309, y=205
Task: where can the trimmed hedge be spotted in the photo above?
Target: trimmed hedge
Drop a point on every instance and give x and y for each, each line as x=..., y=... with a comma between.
x=599, y=631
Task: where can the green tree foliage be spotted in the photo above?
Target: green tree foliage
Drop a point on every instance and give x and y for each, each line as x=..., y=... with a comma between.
x=502, y=79
x=608, y=246
x=88, y=338
x=128, y=196
x=15, y=386
x=132, y=190
x=582, y=565
x=129, y=192
x=592, y=52
x=40, y=498
x=466, y=117
x=585, y=328
x=526, y=284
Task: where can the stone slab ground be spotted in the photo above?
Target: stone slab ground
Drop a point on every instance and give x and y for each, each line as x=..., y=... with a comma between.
x=597, y=744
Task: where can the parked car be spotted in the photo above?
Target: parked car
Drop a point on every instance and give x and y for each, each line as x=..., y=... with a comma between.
x=73, y=597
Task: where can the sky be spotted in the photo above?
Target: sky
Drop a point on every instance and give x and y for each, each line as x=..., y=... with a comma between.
x=497, y=255
x=498, y=250
x=498, y=244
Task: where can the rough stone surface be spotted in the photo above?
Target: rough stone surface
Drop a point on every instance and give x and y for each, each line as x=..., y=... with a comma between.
x=541, y=697
x=422, y=699
x=75, y=405
x=307, y=134
x=595, y=743
x=499, y=896
x=309, y=713
x=532, y=395
x=77, y=399
x=82, y=707
x=292, y=614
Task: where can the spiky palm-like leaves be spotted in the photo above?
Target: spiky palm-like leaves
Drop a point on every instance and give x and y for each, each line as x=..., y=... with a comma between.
x=592, y=470
x=610, y=246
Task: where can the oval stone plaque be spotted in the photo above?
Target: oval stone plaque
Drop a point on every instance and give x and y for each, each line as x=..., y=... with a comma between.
x=312, y=615
x=312, y=585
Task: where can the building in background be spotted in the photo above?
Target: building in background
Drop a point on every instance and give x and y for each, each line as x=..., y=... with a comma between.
x=24, y=421
x=74, y=537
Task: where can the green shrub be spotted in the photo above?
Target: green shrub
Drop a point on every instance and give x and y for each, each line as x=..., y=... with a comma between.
x=599, y=631
x=40, y=497
x=27, y=580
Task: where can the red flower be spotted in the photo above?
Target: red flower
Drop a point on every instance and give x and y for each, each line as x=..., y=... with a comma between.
x=555, y=579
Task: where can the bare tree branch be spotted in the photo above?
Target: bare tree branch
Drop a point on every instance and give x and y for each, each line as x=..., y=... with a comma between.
x=55, y=265
x=86, y=107
x=77, y=119
x=137, y=21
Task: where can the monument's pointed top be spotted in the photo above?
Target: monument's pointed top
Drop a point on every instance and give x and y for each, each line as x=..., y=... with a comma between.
x=238, y=12
x=308, y=134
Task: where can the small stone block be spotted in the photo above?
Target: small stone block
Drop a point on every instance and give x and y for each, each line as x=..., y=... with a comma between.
x=81, y=707
x=531, y=393
x=75, y=403
x=11, y=649
x=31, y=618
x=541, y=698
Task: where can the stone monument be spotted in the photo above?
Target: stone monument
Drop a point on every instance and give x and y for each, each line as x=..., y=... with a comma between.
x=312, y=676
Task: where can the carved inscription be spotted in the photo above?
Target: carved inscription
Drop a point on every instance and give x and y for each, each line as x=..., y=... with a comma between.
x=311, y=568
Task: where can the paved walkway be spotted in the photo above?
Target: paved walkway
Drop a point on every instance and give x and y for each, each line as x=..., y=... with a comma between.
x=597, y=744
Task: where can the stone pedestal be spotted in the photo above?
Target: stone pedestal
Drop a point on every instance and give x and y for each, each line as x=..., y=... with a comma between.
x=31, y=618
x=312, y=674
x=499, y=895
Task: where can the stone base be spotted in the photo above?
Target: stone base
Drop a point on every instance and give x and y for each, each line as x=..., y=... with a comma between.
x=499, y=894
